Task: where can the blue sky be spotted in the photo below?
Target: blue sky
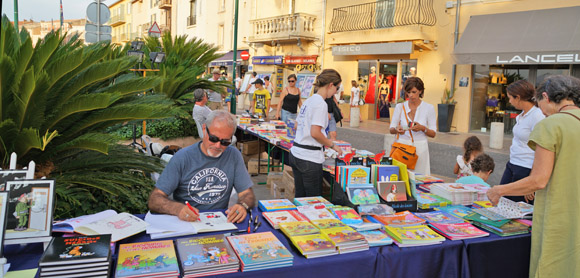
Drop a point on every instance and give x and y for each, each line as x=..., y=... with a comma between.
x=47, y=9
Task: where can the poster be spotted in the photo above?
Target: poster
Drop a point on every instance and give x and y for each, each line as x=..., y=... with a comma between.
x=305, y=83
x=279, y=81
x=30, y=207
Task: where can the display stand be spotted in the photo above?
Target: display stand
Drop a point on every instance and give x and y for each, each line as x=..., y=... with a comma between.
x=44, y=239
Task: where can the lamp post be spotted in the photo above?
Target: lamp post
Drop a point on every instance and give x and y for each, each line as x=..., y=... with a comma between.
x=234, y=98
x=16, y=14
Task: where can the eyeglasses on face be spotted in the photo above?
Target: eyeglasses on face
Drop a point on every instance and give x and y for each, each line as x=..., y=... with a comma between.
x=291, y=81
x=214, y=139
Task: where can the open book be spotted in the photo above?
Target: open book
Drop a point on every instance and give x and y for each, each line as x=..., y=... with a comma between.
x=163, y=225
x=118, y=225
x=507, y=209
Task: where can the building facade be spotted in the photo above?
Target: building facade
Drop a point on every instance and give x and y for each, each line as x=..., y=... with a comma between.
x=121, y=22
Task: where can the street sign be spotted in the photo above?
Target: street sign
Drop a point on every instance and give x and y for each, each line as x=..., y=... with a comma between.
x=154, y=31
x=92, y=13
x=105, y=29
x=245, y=55
x=91, y=37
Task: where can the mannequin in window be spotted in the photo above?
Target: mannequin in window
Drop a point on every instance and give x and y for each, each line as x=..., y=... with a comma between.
x=370, y=95
x=384, y=92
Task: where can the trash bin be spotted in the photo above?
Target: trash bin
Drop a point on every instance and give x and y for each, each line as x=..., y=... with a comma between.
x=354, y=116
x=496, y=135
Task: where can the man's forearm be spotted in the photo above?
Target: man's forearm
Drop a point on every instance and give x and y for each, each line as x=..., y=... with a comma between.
x=247, y=197
x=159, y=203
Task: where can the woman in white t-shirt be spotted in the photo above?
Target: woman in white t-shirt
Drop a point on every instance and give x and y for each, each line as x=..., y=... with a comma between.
x=306, y=155
x=413, y=121
x=355, y=97
x=520, y=95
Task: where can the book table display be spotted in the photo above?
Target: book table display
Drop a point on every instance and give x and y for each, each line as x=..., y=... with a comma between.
x=492, y=256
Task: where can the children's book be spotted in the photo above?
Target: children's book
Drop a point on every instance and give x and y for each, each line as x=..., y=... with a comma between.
x=392, y=191
x=77, y=250
x=403, y=175
x=283, y=216
x=317, y=200
x=362, y=194
x=152, y=258
x=119, y=225
x=342, y=235
x=328, y=223
x=298, y=228
x=482, y=204
x=512, y=210
x=260, y=250
x=458, y=231
x=315, y=212
x=382, y=173
x=205, y=254
x=315, y=245
x=276, y=204
x=376, y=237
x=375, y=209
x=400, y=219
x=512, y=227
x=354, y=175
x=428, y=200
x=438, y=217
x=416, y=235
x=163, y=225
x=346, y=215
x=459, y=211
x=476, y=217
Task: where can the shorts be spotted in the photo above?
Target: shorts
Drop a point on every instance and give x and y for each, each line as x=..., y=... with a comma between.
x=331, y=123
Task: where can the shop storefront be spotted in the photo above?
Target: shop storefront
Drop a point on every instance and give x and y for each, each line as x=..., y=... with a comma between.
x=503, y=48
x=226, y=62
x=382, y=70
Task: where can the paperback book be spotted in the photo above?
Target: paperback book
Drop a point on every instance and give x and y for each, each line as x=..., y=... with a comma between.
x=376, y=237
x=147, y=259
x=381, y=173
x=478, y=218
x=362, y=194
x=276, y=204
x=119, y=225
x=313, y=212
x=317, y=200
x=314, y=245
x=346, y=215
x=260, y=251
x=509, y=209
x=328, y=223
x=283, y=216
x=458, y=231
x=206, y=254
x=428, y=200
x=89, y=251
x=392, y=191
x=459, y=211
x=438, y=217
x=298, y=228
x=416, y=235
x=375, y=209
x=512, y=227
x=400, y=219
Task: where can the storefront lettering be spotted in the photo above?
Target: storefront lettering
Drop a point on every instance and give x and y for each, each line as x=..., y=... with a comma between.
x=348, y=48
x=546, y=58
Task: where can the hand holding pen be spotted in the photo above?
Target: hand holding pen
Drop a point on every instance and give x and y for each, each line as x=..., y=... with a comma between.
x=188, y=213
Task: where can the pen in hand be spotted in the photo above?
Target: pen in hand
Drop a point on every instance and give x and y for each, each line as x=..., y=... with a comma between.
x=192, y=209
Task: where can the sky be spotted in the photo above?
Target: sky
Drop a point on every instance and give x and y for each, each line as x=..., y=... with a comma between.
x=48, y=9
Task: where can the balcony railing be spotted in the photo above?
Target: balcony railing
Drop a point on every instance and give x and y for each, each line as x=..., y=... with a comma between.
x=191, y=20
x=383, y=14
x=165, y=4
x=117, y=20
x=292, y=26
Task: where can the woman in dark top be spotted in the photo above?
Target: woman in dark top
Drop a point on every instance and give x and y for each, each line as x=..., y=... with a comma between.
x=289, y=100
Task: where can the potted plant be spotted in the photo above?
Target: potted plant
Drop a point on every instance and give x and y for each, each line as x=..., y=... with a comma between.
x=445, y=111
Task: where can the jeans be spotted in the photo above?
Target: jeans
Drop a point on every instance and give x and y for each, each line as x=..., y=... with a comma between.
x=286, y=115
x=515, y=173
x=307, y=177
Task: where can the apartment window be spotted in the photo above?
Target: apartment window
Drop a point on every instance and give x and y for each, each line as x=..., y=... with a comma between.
x=191, y=19
x=129, y=8
x=222, y=5
x=221, y=36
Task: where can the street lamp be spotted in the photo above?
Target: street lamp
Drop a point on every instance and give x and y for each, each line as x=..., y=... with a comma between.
x=157, y=58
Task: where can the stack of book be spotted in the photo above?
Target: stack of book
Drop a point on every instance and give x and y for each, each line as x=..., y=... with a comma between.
x=428, y=200
x=512, y=227
x=80, y=256
x=458, y=231
x=457, y=193
x=345, y=238
x=416, y=235
x=260, y=251
x=316, y=200
x=314, y=212
x=276, y=204
x=399, y=219
x=439, y=217
x=347, y=215
x=147, y=259
x=459, y=211
x=308, y=239
x=480, y=189
x=206, y=255
x=376, y=237
x=283, y=216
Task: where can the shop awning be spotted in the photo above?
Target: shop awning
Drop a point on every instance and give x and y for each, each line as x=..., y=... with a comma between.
x=226, y=60
x=533, y=37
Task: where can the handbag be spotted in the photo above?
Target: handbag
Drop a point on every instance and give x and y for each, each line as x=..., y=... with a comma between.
x=404, y=153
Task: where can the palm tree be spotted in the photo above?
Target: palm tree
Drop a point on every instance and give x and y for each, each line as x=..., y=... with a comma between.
x=56, y=98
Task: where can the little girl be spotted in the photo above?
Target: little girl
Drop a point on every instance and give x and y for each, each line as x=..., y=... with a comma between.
x=472, y=147
x=355, y=97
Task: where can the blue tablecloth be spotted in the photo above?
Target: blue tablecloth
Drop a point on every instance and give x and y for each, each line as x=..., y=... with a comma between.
x=491, y=256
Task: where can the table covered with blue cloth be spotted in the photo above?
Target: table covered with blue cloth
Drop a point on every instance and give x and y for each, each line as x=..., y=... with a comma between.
x=492, y=256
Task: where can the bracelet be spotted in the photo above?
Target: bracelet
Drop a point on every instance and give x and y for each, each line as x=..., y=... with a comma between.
x=244, y=205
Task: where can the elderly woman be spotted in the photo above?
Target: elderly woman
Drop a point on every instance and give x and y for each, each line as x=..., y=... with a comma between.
x=555, y=179
x=413, y=121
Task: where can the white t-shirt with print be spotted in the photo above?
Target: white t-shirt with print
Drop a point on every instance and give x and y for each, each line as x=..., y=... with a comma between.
x=355, y=96
x=314, y=111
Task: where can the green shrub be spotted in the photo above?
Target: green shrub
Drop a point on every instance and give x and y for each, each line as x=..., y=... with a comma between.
x=165, y=129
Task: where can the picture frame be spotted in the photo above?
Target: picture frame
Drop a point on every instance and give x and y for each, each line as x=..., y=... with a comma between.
x=30, y=207
x=3, y=206
x=11, y=175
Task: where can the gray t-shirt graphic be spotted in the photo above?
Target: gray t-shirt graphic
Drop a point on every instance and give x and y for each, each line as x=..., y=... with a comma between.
x=206, y=182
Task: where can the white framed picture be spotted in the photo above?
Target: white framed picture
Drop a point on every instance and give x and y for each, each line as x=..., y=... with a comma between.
x=3, y=205
x=30, y=208
x=11, y=175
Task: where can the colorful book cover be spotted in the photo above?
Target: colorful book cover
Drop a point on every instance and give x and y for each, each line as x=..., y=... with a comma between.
x=459, y=230
x=204, y=252
x=328, y=223
x=347, y=215
x=387, y=173
x=313, y=243
x=147, y=259
x=354, y=175
x=259, y=248
x=428, y=200
x=362, y=194
x=277, y=204
x=511, y=228
x=282, y=216
x=404, y=175
x=312, y=212
x=413, y=234
x=375, y=209
x=298, y=228
x=316, y=200
x=483, y=219
x=404, y=218
x=392, y=191
x=482, y=204
x=459, y=211
x=376, y=237
x=438, y=217
x=342, y=235
x=77, y=250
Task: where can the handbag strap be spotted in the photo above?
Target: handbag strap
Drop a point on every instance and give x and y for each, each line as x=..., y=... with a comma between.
x=571, y=115
x=404, y=111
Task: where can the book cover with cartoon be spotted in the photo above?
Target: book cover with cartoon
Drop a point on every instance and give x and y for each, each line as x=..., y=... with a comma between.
x=313, y=243
x=376, y=237
x=411, y=234
x=459, y=211
x=328, y=223
x=282, y=216
x=314, y=213
x=205, y=252
x=347, y=215
x=147, y=259
x=342, y=235
x=276, y=204
x=76, y=250
x=30, y=208
x=259, y=248
x=438, y=217
x=302, y=201
x=298, y=228
x=362, y=194
x=392, y=191
x=404, y=218
x=459, y=230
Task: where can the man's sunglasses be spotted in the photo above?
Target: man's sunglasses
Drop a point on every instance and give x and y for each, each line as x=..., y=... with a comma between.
x=214, y=139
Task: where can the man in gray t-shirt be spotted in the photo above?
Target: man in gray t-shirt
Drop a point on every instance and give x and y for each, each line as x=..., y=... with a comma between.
x=204, y=175
x=215, y=98
x=200, y=111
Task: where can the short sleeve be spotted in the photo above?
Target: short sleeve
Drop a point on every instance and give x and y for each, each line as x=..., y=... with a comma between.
x=242, y=179
x=268, y=96
x=396, y=116
x=545, y=135
x=169, y=179
x=431, y=118
x=320, y=115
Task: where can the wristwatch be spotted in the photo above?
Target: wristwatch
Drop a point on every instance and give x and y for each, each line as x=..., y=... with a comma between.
x=244, y=205
x=331, y=146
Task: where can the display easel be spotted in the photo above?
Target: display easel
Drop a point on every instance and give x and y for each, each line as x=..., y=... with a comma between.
x=144, y=71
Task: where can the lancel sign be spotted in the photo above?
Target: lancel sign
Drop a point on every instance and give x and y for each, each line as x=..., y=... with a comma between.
x=572, y=58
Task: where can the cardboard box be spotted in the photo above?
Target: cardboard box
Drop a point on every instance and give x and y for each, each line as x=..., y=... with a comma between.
x=276, y=189
x=251, y=147
x=263, y=156
x=253, y=166
x=273, y=177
